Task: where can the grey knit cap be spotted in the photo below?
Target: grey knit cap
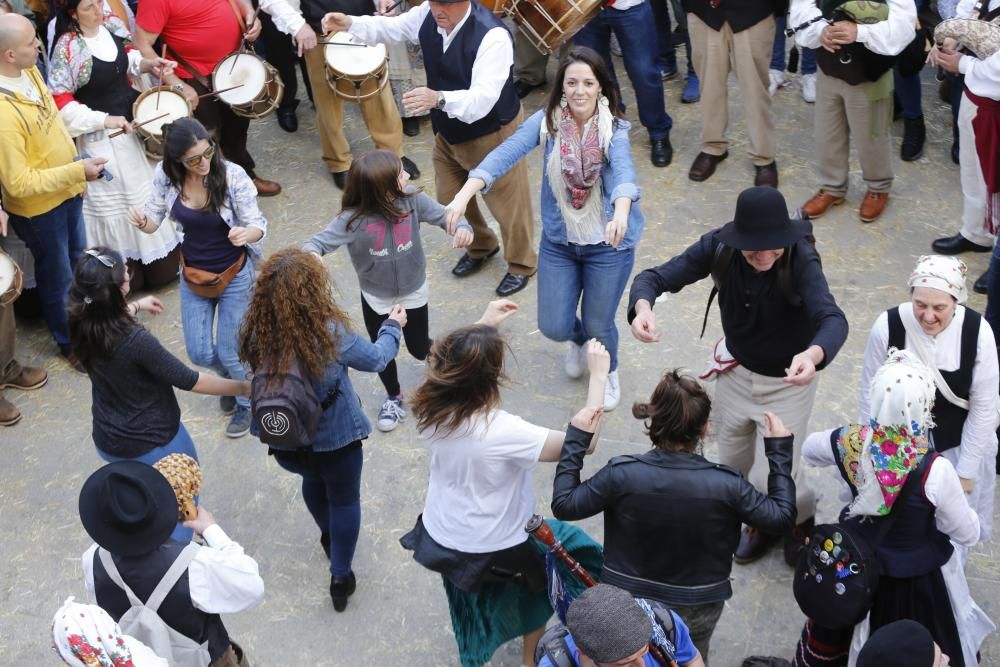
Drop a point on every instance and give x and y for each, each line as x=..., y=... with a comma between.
x=607, y=624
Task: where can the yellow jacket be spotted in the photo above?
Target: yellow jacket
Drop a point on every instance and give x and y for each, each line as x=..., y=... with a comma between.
x=37, y=171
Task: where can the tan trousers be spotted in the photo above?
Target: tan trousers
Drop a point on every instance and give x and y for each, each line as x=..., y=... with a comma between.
x=716, y=53
x=741, y=397
x=844, y=111
x=508, y=200
x=380, y=114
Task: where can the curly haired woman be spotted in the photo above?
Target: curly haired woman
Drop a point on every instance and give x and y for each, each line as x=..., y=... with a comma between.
x=294, y=318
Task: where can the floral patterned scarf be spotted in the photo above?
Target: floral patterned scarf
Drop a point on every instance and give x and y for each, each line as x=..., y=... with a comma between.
x=581, y=158
x=895, y=449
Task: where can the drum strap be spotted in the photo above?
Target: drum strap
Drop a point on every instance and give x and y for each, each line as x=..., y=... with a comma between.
x=190, y=68
x=239, y=17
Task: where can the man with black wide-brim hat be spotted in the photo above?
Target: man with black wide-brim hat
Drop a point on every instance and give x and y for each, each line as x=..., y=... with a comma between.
x=130, y=510
x=781, y=325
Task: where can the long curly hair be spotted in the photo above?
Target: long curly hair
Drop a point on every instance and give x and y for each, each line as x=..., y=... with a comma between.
x=291, y=317
x=465, y=371
x=96, y=307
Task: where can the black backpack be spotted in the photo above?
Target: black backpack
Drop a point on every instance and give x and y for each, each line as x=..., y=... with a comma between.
x=837, y=572
x=553, y=642
x=285, y=408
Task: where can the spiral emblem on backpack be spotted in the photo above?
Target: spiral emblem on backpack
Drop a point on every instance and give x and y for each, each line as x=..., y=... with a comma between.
x=274, y=422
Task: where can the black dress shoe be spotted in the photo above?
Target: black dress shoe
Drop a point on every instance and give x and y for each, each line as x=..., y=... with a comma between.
x=753, y=545
x=767, y=175
x=982, y=284
x=661, y=153
x=409, y=167
x=287, y=120
x=469, y=265
x=411, y=126
x=953, y=245
x=338, y=178
x=342, y=588
x=522, y=89
x=511, y=284
x=704, y=165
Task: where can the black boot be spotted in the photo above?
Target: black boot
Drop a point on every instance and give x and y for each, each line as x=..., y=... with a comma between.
x=342, y=588
x=914, y=134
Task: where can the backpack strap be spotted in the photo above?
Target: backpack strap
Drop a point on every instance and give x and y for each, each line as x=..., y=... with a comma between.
x=666, y=622
x=721, y=261
x=173, y=575
x=553, y=646
x=786, y=279
x=112, y=571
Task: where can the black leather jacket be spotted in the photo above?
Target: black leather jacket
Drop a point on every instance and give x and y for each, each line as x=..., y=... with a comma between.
x=672, y=520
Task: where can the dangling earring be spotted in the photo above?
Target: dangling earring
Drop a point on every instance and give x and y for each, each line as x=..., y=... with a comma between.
x=562, y=102
x=603, y=101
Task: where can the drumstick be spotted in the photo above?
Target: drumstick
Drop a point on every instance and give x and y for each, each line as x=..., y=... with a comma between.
x=135, y=125
x=253, y=17
x=392, y=7
x=364, y=46
x=159, y=81
x=218, y=92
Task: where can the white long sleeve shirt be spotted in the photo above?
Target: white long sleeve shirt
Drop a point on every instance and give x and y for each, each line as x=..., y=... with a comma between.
x=982, y=77
x=979, y=431
x=494, y=58
x=887, y=38
x=286, y=18
x=942, y=488
x=222, y=579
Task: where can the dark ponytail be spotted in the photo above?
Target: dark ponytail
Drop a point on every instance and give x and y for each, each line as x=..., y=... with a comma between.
x=98, y=313
x=676, y=413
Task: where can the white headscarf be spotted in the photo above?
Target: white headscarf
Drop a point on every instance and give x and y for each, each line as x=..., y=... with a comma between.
x=85, y=636
x=941, y=273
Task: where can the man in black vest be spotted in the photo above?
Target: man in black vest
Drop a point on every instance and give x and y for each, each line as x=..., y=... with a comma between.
x=469, y=58
x=130, y=510
x=853, y=95
x=737, y=36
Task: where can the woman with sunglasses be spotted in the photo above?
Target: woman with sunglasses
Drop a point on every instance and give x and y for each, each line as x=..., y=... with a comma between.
x=132, y=376
x=214, y=203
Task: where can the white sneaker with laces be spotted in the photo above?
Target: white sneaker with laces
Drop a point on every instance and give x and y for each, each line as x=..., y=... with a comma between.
x=612, y=392
x=390, y=414
x=574, y=360
x=777, y=78
x=808, y=86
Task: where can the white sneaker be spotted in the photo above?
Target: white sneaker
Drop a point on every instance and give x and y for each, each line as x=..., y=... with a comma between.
x=808, y=85
x=777, y=78
x=391, y=414
x=612, y=392
x=574, y=360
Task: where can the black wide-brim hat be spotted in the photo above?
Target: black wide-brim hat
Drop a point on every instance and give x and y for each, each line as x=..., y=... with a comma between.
x=128, y=508
x=762, y=223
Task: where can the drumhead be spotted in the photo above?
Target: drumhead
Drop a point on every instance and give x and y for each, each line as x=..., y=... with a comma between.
x=7, y=270
x=171, y=103
x=249, y=71
x=353, y=60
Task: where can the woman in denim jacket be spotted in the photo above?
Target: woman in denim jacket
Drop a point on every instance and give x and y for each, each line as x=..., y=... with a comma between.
x=293, y=318
x=214, y=203
x=588, y=242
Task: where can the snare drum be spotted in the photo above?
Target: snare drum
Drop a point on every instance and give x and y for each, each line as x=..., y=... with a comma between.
x=353, y=72
x=261, y=87
x=548, y=24
x=11, y=280
x=159, y=101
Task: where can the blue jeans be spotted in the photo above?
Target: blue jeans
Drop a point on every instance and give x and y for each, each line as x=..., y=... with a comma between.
x=908, y=90
x=56, y=240
x=331, y=488
x=808, y=63
x=218, y=351
x=593, y=276
x=635, y=29
x=180, y=444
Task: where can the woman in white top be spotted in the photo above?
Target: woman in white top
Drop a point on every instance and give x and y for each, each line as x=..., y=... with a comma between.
x=480, y=493
x=960, y=348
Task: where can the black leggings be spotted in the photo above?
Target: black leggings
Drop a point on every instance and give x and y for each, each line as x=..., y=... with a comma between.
x=415, y=333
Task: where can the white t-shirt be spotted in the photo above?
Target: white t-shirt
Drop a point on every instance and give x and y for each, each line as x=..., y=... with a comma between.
x=480, y=492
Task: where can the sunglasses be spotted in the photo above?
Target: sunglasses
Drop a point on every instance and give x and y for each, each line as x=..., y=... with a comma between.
x=196, y=160
x=103, y=259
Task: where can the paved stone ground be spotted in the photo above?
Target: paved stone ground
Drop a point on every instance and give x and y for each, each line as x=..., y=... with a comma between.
x=399, y=614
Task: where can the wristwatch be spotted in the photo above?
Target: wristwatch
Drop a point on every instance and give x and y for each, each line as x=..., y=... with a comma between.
x=179, y=87
x=440, y=102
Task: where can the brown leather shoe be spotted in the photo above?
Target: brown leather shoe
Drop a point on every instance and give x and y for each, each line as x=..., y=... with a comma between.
x=704, y=165
x=266, y=188
x=9, y=415
x=767, y=175
x=820, y=204
x=872, y=206
x=753, y=545
x=30, y=378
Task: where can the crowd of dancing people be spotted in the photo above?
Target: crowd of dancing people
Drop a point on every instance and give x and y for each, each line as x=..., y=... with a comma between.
x=95, y=209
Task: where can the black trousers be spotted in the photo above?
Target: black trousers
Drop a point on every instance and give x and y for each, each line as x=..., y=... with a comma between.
x=279, y=50
x=415, y=333
x=230, y=130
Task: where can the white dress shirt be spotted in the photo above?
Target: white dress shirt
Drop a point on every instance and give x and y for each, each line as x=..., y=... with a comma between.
x=286, y=18
x=982, y=77
x=887, y=38
x=490, y=70
x=942, y=488
x=221, y=578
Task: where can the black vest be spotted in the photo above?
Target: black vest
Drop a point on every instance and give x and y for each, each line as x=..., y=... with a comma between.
x=853, y=63
x=739, y=14
x=142, y=574
x=948, y=417
x=108, y=89
x=913, y=546
x=453, y=71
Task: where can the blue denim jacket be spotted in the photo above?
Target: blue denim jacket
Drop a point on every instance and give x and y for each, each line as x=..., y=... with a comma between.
x=617, y=177
x=344, y=421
